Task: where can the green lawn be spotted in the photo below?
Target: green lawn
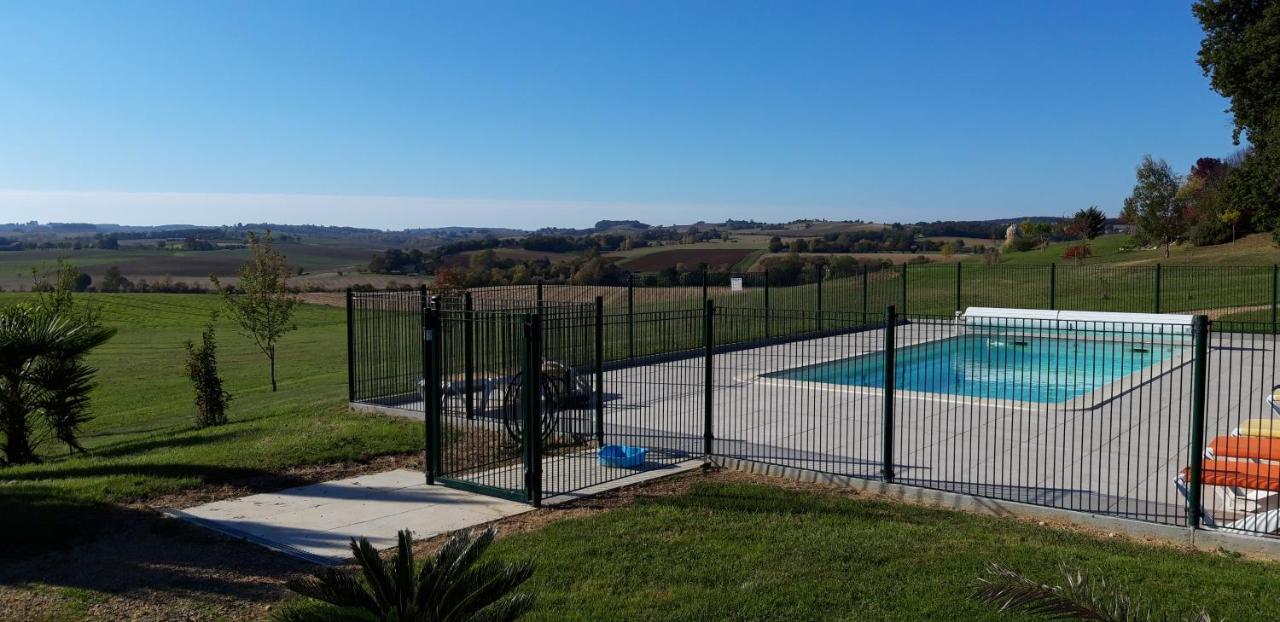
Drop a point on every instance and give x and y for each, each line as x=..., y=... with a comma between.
x=142, y=441
x=727, y=551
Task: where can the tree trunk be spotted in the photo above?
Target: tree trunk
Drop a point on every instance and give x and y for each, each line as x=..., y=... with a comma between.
x=272, y=356
x=17, y=434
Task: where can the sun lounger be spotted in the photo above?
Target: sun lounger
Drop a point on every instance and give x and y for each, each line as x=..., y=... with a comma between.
x=1240, y=475
x=1262, y=428
x=1250, y=447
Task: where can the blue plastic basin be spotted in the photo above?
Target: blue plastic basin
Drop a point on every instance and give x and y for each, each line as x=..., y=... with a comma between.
x=622, y=456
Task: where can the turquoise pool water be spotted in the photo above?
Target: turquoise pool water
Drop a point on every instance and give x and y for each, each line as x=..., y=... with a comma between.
x=1028, y=369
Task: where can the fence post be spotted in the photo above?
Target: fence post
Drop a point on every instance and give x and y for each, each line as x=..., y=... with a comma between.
x=631, y=317
x=890, y=321
x=1158, y=271
x=818, y=319
x=959, y=303
x=351, y=350
x=1200, y=337
x=431, y=388
x=468, y=355
x=766, y=303
x=866, y=291
x=532, y=407
x=708, y=346
x=1053, y=286
x=1275, y=294
x=538, y=295
x=904, y=287
x=704, y=283
x=599, y=369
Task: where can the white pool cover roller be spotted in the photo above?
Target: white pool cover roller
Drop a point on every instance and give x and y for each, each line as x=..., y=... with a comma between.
x=1105, y=321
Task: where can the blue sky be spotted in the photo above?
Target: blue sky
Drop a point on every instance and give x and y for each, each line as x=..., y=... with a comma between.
x=532, y=114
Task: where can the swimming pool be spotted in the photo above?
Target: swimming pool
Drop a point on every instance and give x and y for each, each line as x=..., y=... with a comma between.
x=1039, y=369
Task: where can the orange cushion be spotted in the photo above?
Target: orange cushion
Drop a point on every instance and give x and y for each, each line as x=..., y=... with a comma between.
x=1248, y=447
x=1239, y=474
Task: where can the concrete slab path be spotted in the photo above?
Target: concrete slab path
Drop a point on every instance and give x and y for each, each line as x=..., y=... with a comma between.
x=317, y=522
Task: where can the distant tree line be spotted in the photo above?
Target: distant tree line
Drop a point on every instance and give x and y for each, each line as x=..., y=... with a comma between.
x=899, y=239
x=486, y=269
x=417, y=261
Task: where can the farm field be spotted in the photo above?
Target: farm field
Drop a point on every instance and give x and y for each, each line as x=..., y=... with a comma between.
x=320, y=263
x=968, y=242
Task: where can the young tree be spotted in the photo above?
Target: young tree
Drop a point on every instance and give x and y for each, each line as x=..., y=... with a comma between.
x=1230, y=217
x=1154, y=207
x=202, y=368
x=262, y=305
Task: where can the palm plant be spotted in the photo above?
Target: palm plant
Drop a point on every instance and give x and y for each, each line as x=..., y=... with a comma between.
x=453, y=586
x=1082, y=598
x=43, y=376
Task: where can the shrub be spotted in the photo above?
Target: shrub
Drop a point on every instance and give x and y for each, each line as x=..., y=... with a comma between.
x=1078, y=252
x=43, y=376
x=202, y=368
x=453, y=586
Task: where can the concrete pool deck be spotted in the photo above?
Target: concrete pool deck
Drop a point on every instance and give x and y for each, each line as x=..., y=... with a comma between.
x=1114, y=452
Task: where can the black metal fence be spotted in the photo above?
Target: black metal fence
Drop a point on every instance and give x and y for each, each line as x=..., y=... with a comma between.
x=1156, y=420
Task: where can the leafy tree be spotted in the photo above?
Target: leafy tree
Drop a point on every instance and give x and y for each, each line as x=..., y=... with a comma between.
x=261, y=304
x=114, y=281
x=1153, y=207
x=1240, y=53
x=202, y=368
x=1201, y=198
x=454, y=586
x=775, y=244
x=1038, y=232
x=1087, y=223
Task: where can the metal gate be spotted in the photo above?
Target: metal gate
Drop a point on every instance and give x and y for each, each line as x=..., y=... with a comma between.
x=503, y=389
